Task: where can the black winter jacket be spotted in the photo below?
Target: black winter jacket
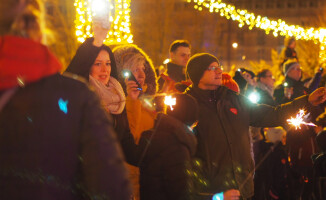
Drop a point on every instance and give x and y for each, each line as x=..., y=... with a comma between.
x=223, y=137
x=81, y=65
x=163, y=169
x=56, y=142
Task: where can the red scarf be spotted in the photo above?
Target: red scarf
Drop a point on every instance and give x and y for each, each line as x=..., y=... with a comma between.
x=24, y=59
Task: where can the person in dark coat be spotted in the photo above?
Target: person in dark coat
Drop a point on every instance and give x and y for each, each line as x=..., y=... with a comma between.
x=300, y=143
x=271, y=166
x=86, y=59
x=293, y=87
x=165, y=165
x=319, y=170
x=265, y=87
x=223, y=150
x=175, y=79
x=56, y=142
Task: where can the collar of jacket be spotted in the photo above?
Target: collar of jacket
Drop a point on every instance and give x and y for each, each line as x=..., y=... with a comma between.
x=209, y=96
x=24, y=61
x=262, y=86
x=175, y=72
x=291, y=82
x=181, y=132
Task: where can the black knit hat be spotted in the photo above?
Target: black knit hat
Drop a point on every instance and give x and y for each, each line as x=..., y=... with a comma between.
x=197, y=65
x=186, y=109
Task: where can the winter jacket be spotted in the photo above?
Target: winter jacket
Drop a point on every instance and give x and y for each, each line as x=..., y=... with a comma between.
x=298, y=88
x=56, y=142
x=271, y=171
x=265, y=97
x=223, y=151
x=163, y=170
x=81, y=65
x=319, y=175
x=140, y=117
x=173, y=75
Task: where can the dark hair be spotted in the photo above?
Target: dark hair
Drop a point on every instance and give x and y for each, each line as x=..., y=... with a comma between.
x=262, y=73
x=179, y=43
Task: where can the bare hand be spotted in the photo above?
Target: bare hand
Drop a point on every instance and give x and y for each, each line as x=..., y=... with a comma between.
x=318, y=96
x=100, y=34
x=251, y=81
x=132, y=90
x=231, y=195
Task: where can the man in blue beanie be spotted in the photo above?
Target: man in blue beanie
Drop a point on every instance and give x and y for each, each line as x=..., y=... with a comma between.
x=223, y=160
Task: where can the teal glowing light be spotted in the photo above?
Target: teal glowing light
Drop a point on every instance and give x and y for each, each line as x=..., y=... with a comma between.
x=63, y=105
x=254, y=97
x=218, y=196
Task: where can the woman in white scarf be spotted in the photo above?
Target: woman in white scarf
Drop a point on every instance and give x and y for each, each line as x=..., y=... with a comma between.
x=107, y=87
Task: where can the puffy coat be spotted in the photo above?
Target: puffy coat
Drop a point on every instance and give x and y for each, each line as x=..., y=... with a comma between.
x=56, y=142
x=223, y=151
x=163, y=170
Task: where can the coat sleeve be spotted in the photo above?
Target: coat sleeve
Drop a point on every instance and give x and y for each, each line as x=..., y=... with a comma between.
x=104, y=175
x=84, y=59
x=133, y=108
x=126, y=139
x=267, y=116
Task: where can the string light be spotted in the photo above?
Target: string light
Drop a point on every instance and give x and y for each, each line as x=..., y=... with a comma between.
x=119, y=17
x=276, y=27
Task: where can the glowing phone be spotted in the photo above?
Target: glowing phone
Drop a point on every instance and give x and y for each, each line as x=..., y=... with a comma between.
x=128, y=74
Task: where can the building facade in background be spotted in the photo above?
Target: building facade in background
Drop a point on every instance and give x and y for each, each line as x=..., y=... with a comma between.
x=156, y=23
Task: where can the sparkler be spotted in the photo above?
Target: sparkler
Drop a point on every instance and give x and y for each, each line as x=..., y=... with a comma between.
x=299, y=119
x=170, y=101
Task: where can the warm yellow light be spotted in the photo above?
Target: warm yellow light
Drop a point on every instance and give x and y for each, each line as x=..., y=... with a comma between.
x=86, y=10
x=235, y=45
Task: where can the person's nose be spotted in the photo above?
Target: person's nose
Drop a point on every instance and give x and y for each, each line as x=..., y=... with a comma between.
x=104, y=68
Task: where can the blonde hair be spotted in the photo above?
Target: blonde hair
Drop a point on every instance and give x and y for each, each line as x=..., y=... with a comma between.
x=132, y=59
x=22, y=18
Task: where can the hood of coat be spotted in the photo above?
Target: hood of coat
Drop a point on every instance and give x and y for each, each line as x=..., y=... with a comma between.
x=168, y=126
x=151, y=78
x=24, y=61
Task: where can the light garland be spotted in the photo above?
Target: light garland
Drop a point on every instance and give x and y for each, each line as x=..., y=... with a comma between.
x=278, y=28
x=120, y=21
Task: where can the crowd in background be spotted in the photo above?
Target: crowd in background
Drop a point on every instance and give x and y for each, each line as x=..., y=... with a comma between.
x=103, y=129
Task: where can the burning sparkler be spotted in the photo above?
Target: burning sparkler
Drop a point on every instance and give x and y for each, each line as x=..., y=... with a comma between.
x=299, y=119
x=170, y=101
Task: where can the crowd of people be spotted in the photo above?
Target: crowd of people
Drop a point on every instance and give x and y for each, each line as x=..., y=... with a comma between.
x=101, y=129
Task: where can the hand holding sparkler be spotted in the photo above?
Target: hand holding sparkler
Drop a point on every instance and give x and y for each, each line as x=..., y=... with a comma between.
x=169, y=101
x=318, y=96
x=299, y=119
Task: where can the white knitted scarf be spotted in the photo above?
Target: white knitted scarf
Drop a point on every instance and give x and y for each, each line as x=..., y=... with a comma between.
x=112, y=95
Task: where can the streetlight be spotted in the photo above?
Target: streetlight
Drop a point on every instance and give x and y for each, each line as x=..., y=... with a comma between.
x=235, y=45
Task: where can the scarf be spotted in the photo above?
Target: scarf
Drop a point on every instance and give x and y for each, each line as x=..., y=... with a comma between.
x=264, y=87
x=112, y=96
x=24, y=61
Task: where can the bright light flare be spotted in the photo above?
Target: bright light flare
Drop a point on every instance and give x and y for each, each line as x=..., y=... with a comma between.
x=254, y=97
x=100, y=7
x=170, y=101
x=298, y=120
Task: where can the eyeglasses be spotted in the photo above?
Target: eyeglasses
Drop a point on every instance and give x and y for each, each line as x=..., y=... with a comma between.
x=215, y=68
x=270, y=76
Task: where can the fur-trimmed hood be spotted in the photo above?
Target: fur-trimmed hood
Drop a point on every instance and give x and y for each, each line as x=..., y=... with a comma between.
x=150, y=80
